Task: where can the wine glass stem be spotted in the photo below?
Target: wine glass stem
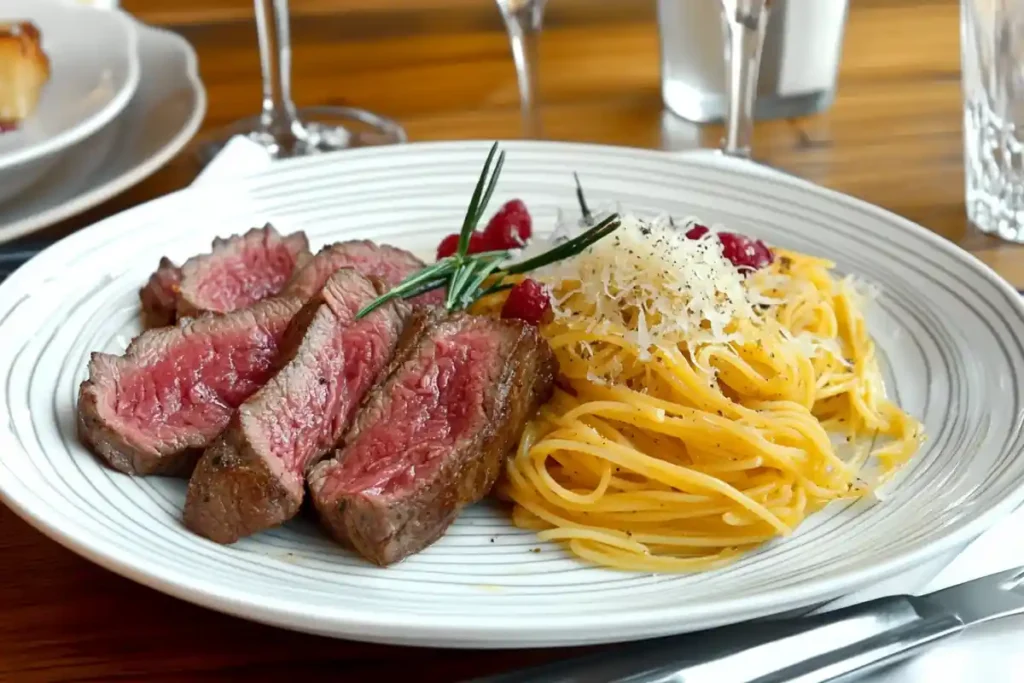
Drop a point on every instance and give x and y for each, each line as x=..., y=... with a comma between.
x=745, y=24
x=278, y=116
x=524, y=21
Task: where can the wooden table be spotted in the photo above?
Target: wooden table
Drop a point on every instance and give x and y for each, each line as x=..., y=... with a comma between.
x=442, y=67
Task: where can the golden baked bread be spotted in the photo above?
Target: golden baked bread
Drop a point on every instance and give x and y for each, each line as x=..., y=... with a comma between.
x=24, y=70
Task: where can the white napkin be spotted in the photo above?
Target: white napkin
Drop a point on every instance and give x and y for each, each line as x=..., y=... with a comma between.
x=239, y=156
x=989, y=653
x=999, y=549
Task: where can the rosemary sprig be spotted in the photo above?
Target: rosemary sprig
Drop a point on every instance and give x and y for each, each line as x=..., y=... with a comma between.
x=477, y=205
x=486, y=267
x=588, y=218
x=437, y=274
x=464, y=275
x=480, y=198
x=458, y=281
x=576, y=245
x=494, y=289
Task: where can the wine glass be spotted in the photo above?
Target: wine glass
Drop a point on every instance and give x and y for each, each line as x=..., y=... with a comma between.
x=523, y=19
x=744, y=23
x=281, y=129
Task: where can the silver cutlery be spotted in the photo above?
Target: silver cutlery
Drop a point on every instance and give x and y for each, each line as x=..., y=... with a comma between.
x=833, y=646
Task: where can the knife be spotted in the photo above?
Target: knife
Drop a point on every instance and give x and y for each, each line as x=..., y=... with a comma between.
x=834, y=646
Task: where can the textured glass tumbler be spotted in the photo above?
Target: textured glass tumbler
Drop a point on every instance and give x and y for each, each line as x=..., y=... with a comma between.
x=992, y=58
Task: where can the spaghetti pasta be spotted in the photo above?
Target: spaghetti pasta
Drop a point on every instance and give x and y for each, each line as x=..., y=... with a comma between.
x=680, y=453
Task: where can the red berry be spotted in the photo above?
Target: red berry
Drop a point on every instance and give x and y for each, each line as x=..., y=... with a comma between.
x=478, y=242
x=696, y=232
x=528, y=302
x=511, y=227
x=744, y=251
x=448, y=246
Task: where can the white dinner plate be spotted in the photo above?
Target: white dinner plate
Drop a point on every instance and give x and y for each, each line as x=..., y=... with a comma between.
x=94, y=72
x=161, y=118
x=950, y=332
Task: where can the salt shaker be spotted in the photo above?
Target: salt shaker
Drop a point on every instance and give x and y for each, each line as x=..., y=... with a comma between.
x=799, y=62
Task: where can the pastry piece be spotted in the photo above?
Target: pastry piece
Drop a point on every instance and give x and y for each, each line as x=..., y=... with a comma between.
x=24, y=70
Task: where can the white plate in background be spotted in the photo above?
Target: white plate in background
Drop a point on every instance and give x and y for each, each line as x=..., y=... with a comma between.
x=94, y=72
x=158, y=122
x=950, y=330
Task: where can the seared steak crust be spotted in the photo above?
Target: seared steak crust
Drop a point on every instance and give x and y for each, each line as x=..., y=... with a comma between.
x=253, y=477
x=159, y=298
x=155, y=408
x=389, y=264
x=432, y=437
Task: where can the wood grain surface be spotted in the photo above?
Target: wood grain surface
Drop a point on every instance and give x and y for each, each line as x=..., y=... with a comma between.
x=442, y=68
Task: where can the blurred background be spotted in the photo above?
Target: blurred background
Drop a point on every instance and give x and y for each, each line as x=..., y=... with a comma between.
x=442, y=69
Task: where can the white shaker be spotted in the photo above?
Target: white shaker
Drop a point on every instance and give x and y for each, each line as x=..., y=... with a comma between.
x=799, y=64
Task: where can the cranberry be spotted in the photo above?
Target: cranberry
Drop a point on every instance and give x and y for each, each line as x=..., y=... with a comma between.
x=448, y=246
x=528, y=302
x=696, y=232
x=744, y=251
x=511, y=227
x=478, y=242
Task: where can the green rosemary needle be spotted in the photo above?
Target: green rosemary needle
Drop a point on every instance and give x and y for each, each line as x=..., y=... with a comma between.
x=463, y=275
x=588, y=218
x=576, y=245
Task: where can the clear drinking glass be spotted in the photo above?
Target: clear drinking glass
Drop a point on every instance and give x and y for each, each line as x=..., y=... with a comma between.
x=992, y=60
x=285, y=131
x=799, y=61
x=524, y=19
x=744, y=23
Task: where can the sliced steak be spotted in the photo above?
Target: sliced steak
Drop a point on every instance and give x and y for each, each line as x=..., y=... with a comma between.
x=159, y=297
x=432, y=437
x=240, y=270
x=389, y=264
x=154, y=409
x=253, y=476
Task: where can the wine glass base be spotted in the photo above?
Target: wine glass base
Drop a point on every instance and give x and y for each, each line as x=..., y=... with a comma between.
x=317, y=130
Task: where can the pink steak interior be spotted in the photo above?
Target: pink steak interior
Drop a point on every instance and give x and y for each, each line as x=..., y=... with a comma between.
x=247, y=277
x=199, y=385
x=436, y=402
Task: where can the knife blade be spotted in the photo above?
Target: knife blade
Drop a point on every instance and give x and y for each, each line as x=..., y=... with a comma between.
x=833, y=646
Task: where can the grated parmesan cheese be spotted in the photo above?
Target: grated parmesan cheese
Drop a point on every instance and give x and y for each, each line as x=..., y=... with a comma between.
x=656, y=287
x=650, y=282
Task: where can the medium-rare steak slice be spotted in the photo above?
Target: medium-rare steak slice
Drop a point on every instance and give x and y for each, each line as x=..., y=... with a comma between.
x=389, y=264
x=155, y=408
x=240, y=270
x=432, y=437
x=159, y=297
x=253, y=476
